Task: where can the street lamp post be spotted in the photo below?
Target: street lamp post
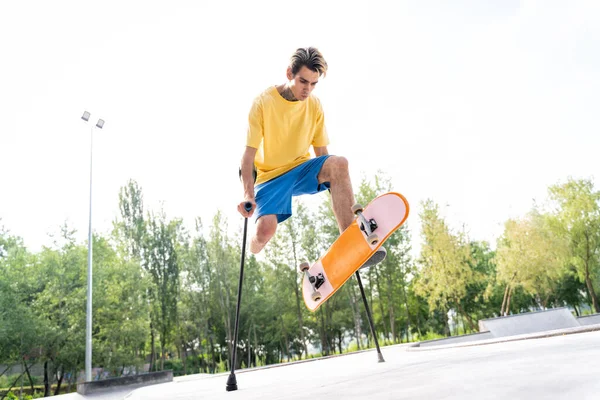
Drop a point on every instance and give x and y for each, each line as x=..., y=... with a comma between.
x=88, y=330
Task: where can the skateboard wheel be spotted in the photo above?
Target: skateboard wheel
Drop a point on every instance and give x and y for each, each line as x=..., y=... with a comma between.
x=373, y=239
x=357, y=208
x=316, y=296
x=304, y=266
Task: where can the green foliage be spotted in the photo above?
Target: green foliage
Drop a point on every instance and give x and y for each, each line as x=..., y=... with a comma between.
x=531, y=256
x=429, y=335
x=163, y=293
x=445, y=261
x=161, y=263
x=576, y=218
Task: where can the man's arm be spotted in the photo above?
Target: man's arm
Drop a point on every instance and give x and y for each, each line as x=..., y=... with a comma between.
x=247, y=166
x=320, y=151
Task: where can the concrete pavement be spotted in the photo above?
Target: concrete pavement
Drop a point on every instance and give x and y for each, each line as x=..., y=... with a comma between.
x=557, y=367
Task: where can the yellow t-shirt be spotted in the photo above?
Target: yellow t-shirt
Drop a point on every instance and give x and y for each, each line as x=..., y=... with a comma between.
x=283, y=132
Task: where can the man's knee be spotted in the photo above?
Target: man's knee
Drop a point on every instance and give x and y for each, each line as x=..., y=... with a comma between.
x=266, y=227
x=335, y=167
x=339, y=162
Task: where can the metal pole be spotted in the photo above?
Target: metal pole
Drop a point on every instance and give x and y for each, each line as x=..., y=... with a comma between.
x=88, y=331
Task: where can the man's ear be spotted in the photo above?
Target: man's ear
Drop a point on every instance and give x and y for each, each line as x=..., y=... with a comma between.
x=289, y=74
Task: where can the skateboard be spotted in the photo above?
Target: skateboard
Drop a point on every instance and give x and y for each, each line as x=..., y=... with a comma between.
x=369, y=230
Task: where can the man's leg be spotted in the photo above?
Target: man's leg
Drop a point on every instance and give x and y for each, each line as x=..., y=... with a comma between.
x=335, y=171
x=265, y=229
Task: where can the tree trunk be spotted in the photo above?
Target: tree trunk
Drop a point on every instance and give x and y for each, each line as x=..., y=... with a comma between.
x=213, y=367
x=590, y=288
x=588, y=280
x=469, y=319
x=446, y=324
x=46, y=381
x=323, y=333
x=59, y=380
x=510, y=292
x=545, y=302
x=225, y=302
x=300, y=320
x=328, y=325
x=13, y=385
x=29, y=377
x=407, y=312
x=386, y=331
x=391, y=308
x=255, y=347
x=184, y=354
x=356, y=316
x=249, y=348
x=392, y=322
x=504, y=299
x=152, y=344
x=297, y=292
x=6, y=369
x=418, y=316
x=70, y=381
x=162, y=351
x=286, y=343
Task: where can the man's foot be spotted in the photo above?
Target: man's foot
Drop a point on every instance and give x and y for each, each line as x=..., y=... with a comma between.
x=376, y=258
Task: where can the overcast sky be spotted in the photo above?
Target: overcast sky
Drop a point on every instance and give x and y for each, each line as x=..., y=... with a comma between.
x=479, y=105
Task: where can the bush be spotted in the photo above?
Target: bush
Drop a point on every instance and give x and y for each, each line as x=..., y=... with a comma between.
x=12, y=396
x=428, y=336
x=174, y=364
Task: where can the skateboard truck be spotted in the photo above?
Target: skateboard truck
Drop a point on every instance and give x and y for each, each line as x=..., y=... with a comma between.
x=366, y=225
x=315, y=281
x=371, y=224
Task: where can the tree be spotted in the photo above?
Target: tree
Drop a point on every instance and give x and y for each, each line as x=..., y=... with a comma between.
x=120, y=310
x=445, y=262
x=131, y=228
x=20, y=328
x=60, y=304
x=161, y=262
x=484, y=294
x=529, y=255
x=577, y=219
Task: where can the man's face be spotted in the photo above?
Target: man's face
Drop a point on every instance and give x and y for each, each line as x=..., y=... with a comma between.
x=303, y=83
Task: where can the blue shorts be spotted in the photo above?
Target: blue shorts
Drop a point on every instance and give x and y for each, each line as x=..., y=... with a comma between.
x=275, y=196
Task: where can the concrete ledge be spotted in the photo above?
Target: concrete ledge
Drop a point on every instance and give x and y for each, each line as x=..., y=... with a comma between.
x=527, y=336
x=134, y=381
x=456, y=339
x=593, y=319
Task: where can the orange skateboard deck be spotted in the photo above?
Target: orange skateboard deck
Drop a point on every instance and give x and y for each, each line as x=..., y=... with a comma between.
x=378, y=220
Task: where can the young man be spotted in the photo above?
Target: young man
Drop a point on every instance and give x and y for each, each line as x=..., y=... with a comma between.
x=284, y=121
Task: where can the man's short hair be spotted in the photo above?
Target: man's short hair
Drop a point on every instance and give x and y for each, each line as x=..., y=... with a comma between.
x=309, y=57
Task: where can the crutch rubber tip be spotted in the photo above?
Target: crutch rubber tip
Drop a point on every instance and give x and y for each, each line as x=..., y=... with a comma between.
x=231, y=383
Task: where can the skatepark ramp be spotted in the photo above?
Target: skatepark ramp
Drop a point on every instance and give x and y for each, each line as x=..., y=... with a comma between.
x=519, y=324
x=553, y=320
